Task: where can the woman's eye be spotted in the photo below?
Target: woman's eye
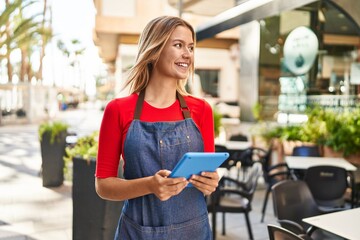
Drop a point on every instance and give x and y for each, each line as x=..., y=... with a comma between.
x=191, y=49
x=178, y=45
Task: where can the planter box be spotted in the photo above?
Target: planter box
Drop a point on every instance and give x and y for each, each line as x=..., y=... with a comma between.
x=353, y=158
x=93, y=217
x=52, y=160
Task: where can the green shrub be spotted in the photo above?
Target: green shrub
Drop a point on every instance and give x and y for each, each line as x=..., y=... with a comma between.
x=86, y=147
x=53, y=128
x=217, y=122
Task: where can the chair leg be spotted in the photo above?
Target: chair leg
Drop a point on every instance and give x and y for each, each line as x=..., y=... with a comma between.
x=265, y=203
x=223, y=224
x=251, y=237
x=213, y=217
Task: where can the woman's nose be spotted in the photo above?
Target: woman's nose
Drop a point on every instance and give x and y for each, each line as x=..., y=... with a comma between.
x=186, y=53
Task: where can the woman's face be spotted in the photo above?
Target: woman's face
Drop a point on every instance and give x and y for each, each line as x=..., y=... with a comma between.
x=177, y=56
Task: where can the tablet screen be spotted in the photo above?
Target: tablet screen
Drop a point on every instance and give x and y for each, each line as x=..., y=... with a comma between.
x=197, y=162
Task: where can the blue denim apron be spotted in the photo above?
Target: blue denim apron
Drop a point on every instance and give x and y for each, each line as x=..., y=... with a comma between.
x=148, y=148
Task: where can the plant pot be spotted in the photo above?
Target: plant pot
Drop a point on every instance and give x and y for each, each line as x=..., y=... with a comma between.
x=93, y=217
x=352, y=158
x=52, y=159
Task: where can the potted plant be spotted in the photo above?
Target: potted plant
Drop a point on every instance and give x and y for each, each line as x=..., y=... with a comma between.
x=307, y=133
x=342, y=135
x=217, y=121
x=93, y=217
x=52, y=137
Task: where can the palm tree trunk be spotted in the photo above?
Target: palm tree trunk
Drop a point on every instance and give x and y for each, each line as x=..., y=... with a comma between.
x=8, y=49
x=43, y=44
x=24, y=64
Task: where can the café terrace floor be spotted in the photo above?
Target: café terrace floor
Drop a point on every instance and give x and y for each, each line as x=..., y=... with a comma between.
x=30, y=211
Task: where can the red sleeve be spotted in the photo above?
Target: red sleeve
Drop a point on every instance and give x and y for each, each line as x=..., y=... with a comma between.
x=206, y=126
x=110, y=142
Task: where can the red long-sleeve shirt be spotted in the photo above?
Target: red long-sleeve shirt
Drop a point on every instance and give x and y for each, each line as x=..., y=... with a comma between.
x=119, y=114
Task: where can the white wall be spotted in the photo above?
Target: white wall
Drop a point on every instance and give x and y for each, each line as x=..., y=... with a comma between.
x=118, y=8
x=222, y=60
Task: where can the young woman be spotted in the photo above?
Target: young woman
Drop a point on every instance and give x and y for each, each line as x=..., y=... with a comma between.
x=151, y=129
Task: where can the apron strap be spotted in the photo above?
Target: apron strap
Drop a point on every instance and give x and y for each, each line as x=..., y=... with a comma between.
x=139, y=104
x=184, y=108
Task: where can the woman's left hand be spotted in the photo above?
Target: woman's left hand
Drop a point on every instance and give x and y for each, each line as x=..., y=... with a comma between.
x=207, y=182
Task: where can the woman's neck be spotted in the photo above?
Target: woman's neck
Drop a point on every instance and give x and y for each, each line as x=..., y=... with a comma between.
x=160, y=96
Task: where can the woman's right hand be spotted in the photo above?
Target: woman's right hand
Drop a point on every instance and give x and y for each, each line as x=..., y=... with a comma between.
x=164, y=187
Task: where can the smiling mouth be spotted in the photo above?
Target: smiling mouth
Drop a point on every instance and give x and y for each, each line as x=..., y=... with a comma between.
x=185, y=65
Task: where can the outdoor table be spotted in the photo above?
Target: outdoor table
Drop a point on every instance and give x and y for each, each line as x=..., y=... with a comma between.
x=343, y=223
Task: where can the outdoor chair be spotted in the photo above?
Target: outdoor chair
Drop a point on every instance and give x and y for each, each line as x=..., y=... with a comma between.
x=246, y=158
x=239, y=137
x=272, y=174
x=292, y=202
x=236, y=159
x=234, y=196
x=304, y=151
x=279, y=233
x=308, y=151
x=328, y=185
x=230, y=162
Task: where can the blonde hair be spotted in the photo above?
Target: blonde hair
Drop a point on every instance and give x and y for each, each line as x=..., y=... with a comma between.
x=151, y=43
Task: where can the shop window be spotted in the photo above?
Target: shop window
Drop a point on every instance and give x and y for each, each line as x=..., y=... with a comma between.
x=209, y=81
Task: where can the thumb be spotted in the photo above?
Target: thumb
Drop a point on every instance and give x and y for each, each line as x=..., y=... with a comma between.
x=164, y=173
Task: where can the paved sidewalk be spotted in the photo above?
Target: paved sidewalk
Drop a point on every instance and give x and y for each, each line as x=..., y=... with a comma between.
x=27, y=209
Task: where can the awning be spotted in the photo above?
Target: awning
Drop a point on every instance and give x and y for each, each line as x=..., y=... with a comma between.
x=244, y=13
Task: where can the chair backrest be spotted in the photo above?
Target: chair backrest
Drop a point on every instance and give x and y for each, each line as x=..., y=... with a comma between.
x=250, y=155
x=293, y=201
x=230, y=162
x=309, y=151
x=327, y=184
x=266, y=159
x=279, y=233
x=248, y=185
x=252, y=179
x=239, y=137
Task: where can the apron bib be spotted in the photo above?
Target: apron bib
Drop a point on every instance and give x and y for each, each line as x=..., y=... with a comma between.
x=148, y=148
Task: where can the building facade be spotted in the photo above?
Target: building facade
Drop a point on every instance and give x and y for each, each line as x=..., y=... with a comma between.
x=240, y=50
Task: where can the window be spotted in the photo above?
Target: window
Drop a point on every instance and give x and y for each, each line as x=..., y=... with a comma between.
x=209, y=81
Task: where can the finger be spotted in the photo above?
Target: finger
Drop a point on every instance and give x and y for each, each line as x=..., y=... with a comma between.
x=211, y=175
x=173, y=181
x=164, y=173
x=179, y=187
x=204, y=184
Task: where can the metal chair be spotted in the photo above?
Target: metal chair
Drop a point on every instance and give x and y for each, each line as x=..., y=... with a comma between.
x=272, y=174
x=328, y=185
x=293, y=201
x=233, y=196
x=279, y=233
x=309, y=151
x=305, y=151
x=239, y=137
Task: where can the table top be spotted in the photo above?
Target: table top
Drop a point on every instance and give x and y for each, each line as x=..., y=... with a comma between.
x=235, y=145
x=300, y=162
x=343, y=223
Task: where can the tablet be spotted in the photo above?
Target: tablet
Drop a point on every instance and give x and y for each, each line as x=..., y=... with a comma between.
x=197, y=162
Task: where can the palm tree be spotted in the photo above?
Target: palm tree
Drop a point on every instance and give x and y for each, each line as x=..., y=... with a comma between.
x=46, y=37
x=21, y=33
x=72, y=52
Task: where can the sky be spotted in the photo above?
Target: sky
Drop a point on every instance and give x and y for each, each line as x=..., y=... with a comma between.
x=73, y=19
